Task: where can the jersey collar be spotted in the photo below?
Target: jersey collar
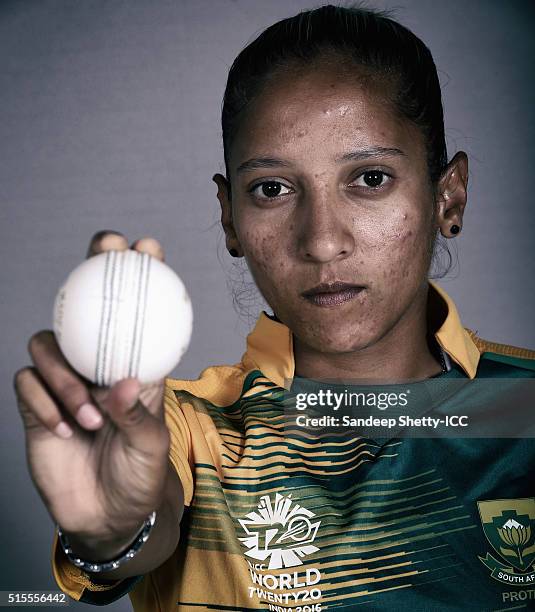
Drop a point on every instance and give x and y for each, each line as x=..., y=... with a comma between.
x=270, y=345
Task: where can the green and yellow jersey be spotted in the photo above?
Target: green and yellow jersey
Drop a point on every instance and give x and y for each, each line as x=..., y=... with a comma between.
x=312, y=523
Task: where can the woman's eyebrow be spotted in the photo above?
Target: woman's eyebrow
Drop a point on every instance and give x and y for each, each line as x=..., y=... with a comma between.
x=256, y=163
x=370, y=152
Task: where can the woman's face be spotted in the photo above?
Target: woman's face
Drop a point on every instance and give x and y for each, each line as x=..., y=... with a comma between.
x=330, y=185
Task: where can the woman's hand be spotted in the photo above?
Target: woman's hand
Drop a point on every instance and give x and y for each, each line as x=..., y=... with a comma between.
x=98, y=457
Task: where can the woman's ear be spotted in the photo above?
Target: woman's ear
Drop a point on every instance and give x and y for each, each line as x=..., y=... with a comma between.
x=451, y=196
x=223, y=195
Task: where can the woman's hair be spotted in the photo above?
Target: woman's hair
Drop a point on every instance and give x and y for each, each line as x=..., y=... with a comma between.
x=360, y=39
x=383, y=48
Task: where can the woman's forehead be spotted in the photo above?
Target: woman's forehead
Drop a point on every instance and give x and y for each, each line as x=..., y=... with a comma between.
x=295, y=113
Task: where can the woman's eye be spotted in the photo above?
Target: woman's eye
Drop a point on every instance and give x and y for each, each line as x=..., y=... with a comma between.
x=372, y=179
x=270, y=189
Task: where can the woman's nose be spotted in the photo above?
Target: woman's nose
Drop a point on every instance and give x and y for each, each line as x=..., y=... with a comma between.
x=324, y=231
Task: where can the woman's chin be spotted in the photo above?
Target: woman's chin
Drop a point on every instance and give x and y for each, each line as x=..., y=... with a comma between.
x=338, y=342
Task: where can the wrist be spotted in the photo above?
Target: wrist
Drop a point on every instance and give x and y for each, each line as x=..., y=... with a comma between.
x=96, y=549
x=84, y=550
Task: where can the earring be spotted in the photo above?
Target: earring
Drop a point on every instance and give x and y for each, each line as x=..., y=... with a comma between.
x=233, y=252
x=455, y=229
x=446, y=196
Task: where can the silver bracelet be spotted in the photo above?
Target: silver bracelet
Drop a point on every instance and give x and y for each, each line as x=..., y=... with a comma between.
x=106, y=566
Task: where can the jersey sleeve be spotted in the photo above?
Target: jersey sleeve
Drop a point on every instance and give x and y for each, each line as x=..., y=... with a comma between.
x=84, y=587
x=81, y=586
x=180, y=453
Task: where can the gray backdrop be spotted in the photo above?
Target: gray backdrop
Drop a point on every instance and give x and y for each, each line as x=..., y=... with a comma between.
x=109, y=118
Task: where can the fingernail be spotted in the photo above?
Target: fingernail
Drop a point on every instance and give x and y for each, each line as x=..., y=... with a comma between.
x=63, y=430
x=113, y=239
x=89, y=416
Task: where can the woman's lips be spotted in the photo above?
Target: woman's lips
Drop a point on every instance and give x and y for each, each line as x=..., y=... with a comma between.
x=333, y=298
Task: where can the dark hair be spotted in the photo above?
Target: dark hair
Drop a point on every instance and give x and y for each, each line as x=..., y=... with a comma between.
x=366, y=38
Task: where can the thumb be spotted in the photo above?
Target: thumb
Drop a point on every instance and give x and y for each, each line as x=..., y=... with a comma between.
x=142, y=430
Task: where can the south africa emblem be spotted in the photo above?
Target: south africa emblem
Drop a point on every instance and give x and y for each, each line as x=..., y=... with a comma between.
x=509, y=526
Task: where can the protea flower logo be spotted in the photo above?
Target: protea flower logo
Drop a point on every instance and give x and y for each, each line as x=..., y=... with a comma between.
x=515, y=536
x=281, y=531
x=509, y=527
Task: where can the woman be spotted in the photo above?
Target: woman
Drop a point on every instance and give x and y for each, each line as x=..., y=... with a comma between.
x=337, y=188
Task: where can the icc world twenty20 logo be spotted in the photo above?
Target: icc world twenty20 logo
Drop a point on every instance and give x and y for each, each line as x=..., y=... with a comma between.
x=281, y=531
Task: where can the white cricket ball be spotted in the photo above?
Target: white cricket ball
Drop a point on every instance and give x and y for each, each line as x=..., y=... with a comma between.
x=123, y=314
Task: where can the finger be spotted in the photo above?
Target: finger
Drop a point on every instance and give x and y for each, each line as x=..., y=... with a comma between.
x=38, y=410
x=142, y=430
x=107, y=240
x=65, y=384
x=151, y=396
x=149, y=245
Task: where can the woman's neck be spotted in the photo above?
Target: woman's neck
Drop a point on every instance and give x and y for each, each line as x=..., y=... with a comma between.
x=401, y=354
